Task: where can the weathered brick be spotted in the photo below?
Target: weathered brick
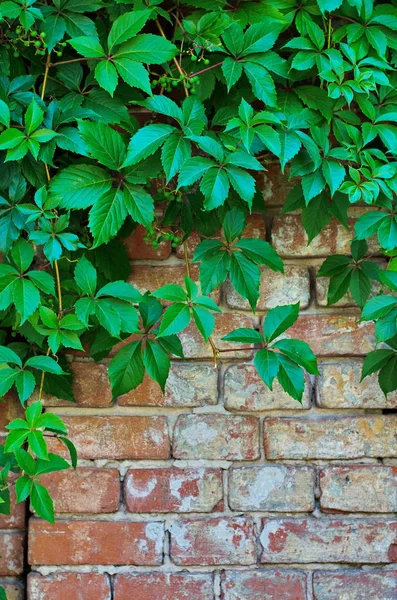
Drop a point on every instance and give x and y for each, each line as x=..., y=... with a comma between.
x=187, y=385
x=331, y=437
x=118, y=438
x=151, y=277
x=91, y=386
x=264, y=585
x=328, y=540
x=255, y=228
x=214, y=437
x=173, y=490
x=11, y=553
x=275, y=289
x=245, y=390
x=220, y=541
x=164, y=586
x=195, y=347
x=10, y=409
x=95, y=543
x=17, y=518
x=334, y=334
x=272, y=488
x=359, y=489
x=290, y=239
x=14, y=591
x=339, y=386
x=137, y=248
x=355, y=585
x=84, y=490
x=69, y=586
x=275, y=185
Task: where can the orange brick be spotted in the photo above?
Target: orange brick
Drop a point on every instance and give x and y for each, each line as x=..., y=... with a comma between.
x=69, y=586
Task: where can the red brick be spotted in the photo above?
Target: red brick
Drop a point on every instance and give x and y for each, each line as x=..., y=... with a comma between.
x=187, y=385
x=245, y=390
x=95, y=543
x=339, y=386
x=255, y=228
x=91, y=386
x=118, y=438
x=195, y=347
x=290, y=240
x=331, y=437
x=84, y=490
x=164, y=586
x=11, y=553
x=328, y=540
x=220, y=541
x=275, y=289
x=263, y=585
x=275, y=488
x=213, y=436
x=359, y=585
x=69, y=586
x=359, y=488
x=17, y=518
x=334, y=335
x=151, y=277
x=173, y=490
x=10, y=409
x=14, y=591
x=275, y=185
x=137, y=248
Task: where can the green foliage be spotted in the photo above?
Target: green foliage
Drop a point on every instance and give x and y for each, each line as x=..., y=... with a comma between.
x=223, y=89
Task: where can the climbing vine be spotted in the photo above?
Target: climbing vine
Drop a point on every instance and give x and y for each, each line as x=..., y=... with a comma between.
x=161, y=114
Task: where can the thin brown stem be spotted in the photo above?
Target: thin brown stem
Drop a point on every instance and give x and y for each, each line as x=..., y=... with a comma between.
x=176, y=63
x=206, y=69
x=186, y=255
x=73, y=60
x=47, y=68
x=244, y=349
x=58, y=288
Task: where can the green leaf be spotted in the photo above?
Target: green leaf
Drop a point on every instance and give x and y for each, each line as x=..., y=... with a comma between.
x=33, y=118
x=149, y=49
x=103, y=143
x=291, y=377
x=215, y=187
x=42, y=502
x=4, y=114
x=88, y=47
x=9, y=356
x=233, y=225
x=334, y=174
x=175, y=152
x=23, y=488
x=245, y=277
x=26, y=298
x=157, y=363
x=333, y=265
x=204, y=320
x=267, y=365
x=360, y=287
x=79, y=186
x=175, y=319
x=232, y=71
x=171, y=292
x=213, y=271
x=315, y=217
x=368, y=224
x=51, y=421
x=388, y=376
x=262, y=83
x=193, y=169
x=300, y=353
x=72, y=450
x=145, y=142
x=312, y=185
x=378, y=307
x=122, y=290
x=139, y=204
x=15, y=439
x=45, y=363
x=25, y=461
x=106, y=76
x=244, y=336
x=85, y=276
x=43, y=281
x=387, y=233
x=10, y=138
x=7, y=379
x=107, y=216
x=339, y=285
x=279, y=319
x=261, y=253
x=22, y=254
x=374, y=361
x=25, y=384
x=126, y=26
x=126, y=369
x=133, y=73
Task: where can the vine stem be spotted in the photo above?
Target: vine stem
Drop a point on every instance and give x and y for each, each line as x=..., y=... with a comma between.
x=176, y=63
x=47, y=68
x=206, y=69
x=73, y=60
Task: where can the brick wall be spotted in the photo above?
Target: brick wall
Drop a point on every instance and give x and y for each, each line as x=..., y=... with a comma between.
x=222, y=489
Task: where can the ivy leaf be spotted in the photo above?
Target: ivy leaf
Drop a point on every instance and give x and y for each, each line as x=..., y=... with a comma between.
x=215, y=187
x=291, y=377
x=79, y=186
x=261, y=253
x=26, y=298
x=300, y=353
x=388, y=376
x=378, y=307
x=204, y=320
x=126, y=26
x=213, y=271
x=147, y=48
x=42, y=502
x=374, y=361
x=103, y=143
x=360, y=287
x=157, y=363
x=245, y=276
x=267, y=365
x=339, y=285
x=233, y=225
x=88, y=47
x=106, y=76
x=107, y=216
x=126, y=370
x=139, y=204
x=279, y=319
x=145, y=142
x=85, y=276
x=244, y=336
x=175, y=152
x=175, y=319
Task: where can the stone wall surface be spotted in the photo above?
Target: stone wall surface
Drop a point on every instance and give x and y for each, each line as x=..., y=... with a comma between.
x=222, y=489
